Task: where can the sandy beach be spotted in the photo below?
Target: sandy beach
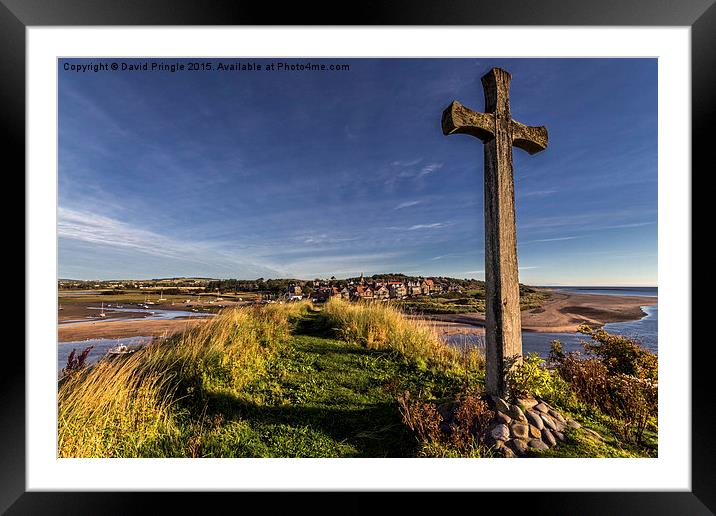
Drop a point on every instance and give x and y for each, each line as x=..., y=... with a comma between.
x=120, y=329
x=563, y=312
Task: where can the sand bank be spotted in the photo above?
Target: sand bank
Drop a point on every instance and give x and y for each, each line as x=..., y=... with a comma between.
x=119, y=329
x=563, y=312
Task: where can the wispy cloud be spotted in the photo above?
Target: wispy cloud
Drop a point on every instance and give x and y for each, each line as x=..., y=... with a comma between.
x=632, y=225
x=94, y=229
x=556, y=239
x=443, y=256
x=434, y=225
x=520, y=268
x=407, y=204
x=416, y=227
x=325, y=239
x=429, y=169
x=409, y=169
x=588, y=221
x=537, y=193
x=408, y=163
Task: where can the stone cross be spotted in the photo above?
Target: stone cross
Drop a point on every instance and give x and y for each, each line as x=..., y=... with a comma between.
x=499, y=133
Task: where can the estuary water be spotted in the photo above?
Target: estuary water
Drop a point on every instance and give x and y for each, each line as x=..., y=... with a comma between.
x=101, y=346
x=144, y=314
x=644, y=330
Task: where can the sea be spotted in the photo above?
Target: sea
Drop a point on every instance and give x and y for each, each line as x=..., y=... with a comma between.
x=644, y=330
x=610, y=291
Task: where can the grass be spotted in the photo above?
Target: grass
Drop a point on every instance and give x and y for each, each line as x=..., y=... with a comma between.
x=582, y=444
x=256, y=382
x=289, y=381
x=384, y=327
x=471, y=301
x=137, y=406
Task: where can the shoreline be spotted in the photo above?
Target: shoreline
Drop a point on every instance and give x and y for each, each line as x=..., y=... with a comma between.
x=564, y=312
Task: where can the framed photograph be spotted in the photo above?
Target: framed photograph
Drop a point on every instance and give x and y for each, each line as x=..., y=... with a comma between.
x=422, y=249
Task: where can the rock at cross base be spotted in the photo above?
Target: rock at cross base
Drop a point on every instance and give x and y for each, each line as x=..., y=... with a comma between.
x=527, y=403
x=571, y=423
x=541, y=407
x=500, y=433
x=520, y=430
x=501, y=417
x=507, y=452
x=548, y=438
x=519, y=446
x=548, y=422
x=538, y=444
x=556, y=415
x=517, y=414
x=534, y=419
x=501, y=405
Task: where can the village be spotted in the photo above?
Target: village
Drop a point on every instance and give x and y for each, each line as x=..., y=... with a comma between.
x=378, y=287
x=370, y=289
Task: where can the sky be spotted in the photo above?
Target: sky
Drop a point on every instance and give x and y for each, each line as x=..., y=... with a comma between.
x=306, y=174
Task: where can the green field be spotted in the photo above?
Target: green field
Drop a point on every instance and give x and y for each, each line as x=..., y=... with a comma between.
x=469, y=301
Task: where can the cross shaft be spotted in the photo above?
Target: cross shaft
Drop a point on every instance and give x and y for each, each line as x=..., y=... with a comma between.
x=499, y=133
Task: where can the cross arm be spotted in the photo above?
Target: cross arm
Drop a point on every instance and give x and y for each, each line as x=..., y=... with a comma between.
x=457, y=119
x=529, y=138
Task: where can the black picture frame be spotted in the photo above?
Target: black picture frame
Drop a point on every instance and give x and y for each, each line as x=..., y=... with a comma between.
x=17, y=15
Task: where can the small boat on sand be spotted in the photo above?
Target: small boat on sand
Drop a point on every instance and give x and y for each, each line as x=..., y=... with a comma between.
x=121, y=350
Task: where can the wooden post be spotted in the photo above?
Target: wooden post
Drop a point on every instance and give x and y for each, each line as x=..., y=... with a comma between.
x=499, y=133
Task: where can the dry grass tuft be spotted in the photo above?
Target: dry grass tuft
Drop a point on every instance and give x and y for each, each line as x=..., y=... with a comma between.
x=382, y=326
x=125, y=406
x=457, y=428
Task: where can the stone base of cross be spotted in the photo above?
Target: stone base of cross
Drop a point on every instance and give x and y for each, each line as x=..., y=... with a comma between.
x=499, y=133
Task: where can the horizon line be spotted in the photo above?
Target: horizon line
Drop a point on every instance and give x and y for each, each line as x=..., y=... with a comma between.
x=583, y=285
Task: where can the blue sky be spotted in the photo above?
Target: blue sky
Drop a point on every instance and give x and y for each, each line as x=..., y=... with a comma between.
x=313, y=174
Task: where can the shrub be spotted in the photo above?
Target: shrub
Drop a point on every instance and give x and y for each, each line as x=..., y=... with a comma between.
x=421, y=417
x=600, y=380
x=469, y=423
x=458, y=430
x=634, y=403
x=531, y=377
x=620, y=354
x=588, y=378
x=76, y=362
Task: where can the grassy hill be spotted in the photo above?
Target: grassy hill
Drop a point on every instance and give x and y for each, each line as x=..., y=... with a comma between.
x=350, y=380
